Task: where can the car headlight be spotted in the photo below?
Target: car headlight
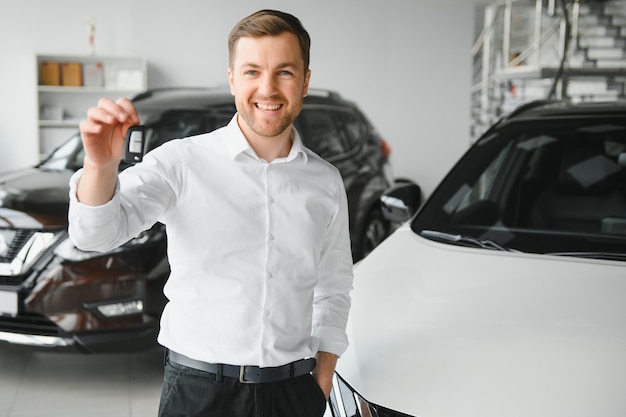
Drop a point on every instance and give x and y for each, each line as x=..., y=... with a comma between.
x=121, y=308
x=118, y=307
x=346, y=402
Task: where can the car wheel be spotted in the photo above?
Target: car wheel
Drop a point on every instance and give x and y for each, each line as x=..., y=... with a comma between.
x=375, y=230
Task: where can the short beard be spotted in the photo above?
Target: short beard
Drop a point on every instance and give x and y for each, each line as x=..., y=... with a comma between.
x=267, y=130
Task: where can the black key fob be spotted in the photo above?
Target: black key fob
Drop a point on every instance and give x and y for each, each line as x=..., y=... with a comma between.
x=134, y=144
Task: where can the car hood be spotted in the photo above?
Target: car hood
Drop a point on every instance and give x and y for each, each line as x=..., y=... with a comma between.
x=38, y=194
x=442, y=330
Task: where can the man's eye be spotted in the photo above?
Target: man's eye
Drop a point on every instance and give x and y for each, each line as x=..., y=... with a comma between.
x=251, y=72
x=286, y=73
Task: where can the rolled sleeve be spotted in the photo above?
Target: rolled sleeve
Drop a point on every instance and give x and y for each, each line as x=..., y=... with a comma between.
x=141, y=195
x=332, y=340
x=90, y=226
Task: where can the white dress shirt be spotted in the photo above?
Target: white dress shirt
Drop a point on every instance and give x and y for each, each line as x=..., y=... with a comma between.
x=261, y=267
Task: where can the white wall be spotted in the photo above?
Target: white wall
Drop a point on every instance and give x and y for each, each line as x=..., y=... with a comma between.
x=406, y=62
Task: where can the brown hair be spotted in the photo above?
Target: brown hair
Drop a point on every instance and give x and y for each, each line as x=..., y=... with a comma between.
x=269, y=23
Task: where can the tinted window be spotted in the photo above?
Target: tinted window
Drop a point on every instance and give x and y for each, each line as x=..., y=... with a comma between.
x=331, y=133
x=322, y=133
x=182, y=123
x=67, y=156
x=550, y=186
x=160, y=128
x=354, y=130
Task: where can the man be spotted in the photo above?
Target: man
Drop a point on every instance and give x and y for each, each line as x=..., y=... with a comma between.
x=258, y=239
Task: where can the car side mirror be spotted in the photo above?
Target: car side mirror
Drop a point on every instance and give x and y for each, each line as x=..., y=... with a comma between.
x=400, y=203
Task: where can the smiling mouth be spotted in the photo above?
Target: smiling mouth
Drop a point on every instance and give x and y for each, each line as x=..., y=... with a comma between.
x=268, y=107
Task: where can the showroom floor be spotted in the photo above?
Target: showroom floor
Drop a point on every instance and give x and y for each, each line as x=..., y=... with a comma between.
x=38, y=384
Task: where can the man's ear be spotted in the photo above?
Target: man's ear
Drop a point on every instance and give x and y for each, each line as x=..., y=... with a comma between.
x=231, y=81
x=305, y=88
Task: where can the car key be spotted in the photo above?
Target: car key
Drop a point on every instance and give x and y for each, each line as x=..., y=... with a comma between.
x=133, y=144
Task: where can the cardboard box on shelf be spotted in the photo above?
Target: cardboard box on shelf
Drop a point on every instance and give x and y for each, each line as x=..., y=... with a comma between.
x=50, y=73
x=93, y=74
x=72, y=74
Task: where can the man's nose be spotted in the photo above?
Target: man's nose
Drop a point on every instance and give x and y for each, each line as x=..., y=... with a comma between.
x=268, y=85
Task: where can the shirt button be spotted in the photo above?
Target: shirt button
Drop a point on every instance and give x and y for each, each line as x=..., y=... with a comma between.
x=270, y=237
x=269, y=275
x=267, y=313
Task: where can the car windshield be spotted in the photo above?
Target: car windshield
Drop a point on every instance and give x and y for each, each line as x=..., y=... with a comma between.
x=160, y=128
x=546, y=186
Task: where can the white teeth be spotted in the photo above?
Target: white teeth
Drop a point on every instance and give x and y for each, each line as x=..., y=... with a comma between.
x=268, y=106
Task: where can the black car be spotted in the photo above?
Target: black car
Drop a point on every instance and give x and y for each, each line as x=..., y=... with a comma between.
x=54, y=295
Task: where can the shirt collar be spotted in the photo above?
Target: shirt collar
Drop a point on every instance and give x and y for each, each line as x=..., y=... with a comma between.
x=237, y=145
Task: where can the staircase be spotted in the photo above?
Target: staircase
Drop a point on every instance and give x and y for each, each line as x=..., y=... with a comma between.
x=578, y=54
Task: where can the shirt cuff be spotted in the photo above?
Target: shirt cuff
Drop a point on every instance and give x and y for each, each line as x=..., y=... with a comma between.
x=93, y=214
x=332, y=340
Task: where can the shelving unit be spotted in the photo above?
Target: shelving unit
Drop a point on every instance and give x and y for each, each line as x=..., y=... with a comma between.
x=90, y=77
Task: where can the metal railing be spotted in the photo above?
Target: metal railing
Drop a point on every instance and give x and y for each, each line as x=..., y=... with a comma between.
x=492, y=55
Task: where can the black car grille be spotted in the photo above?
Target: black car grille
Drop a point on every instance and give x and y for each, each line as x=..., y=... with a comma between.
x=29, y=324
x=18, y=242
x=12, y=280
x=22, y=241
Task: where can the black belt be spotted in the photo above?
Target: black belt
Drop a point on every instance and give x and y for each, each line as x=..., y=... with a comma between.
x=248, y=374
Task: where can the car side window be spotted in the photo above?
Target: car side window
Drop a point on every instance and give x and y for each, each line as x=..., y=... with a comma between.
x=353, y=128
x=69, y=155
x=321, y=133
x=182, y=123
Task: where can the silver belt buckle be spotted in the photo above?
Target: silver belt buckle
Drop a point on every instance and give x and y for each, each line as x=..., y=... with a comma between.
x=241, y=376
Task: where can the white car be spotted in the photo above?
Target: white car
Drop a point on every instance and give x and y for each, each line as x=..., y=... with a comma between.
x=505, y=295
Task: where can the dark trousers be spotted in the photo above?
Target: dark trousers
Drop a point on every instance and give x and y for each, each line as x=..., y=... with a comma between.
x=189, y=392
